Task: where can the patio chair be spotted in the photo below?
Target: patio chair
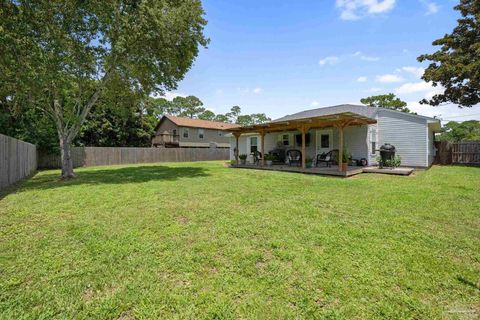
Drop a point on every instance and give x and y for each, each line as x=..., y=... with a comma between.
x=257, y=156
x=328, y=158
x=294, y=157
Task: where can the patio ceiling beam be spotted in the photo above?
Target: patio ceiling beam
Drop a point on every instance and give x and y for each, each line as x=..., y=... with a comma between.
x=344, y=120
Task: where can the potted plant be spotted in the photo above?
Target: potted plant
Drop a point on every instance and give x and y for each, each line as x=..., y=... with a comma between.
x=243, y=158
x=269, y=159
x=345, y=158
x=309, y=162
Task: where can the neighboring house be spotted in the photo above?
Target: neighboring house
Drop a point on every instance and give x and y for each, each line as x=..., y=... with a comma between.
x=174, y=132
x=364, y=130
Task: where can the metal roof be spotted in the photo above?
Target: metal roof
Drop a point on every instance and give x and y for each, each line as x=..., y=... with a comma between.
x=364, y=111
x=368, y=112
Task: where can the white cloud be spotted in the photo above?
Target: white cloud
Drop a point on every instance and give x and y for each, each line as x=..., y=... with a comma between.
x=356, y=9
x=418, y=72
x=362, y=79
x=328, y=60
x=219, y=91
x=412, y=87
x=248, y=90
x=430, y=6
x=389, y=78
x=374, y=89
x=314, y=104
x=365, y=57
x=445, y=112
x=170, y=95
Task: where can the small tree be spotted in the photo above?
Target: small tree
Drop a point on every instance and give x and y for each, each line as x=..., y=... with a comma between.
x=192, y=107
x=58, y=56
x=389, y=101
x=456, y=66
x=207, y=115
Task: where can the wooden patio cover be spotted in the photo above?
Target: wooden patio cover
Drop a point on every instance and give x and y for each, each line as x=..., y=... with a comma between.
x=338, y=120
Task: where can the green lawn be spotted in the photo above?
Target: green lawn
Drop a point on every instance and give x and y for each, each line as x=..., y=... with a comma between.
x=200, y=241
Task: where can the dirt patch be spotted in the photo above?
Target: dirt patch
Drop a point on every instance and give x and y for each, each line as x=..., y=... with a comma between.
x=182, y=220
x=88, y=294
x=126, y=315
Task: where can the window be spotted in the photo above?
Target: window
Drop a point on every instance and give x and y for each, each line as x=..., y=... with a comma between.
x=373, y=140
x=220, y=133
x=185, y=132
x=201, y=133
x=298, y=139
x=174, y=132
x=325, y=141
x=285, y=139
x=253, y=144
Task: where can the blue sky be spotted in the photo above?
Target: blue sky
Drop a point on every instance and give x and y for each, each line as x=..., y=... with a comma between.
x=281, y=57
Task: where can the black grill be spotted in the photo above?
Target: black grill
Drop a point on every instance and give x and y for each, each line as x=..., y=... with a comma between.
x=387, y=152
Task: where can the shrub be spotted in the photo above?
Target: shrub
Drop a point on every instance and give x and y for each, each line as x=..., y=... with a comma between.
x=269, y=157
x=242, y=157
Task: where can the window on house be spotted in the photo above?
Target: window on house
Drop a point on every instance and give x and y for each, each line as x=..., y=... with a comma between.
x=174, y=132
x=220, y=133
x=201, y=133
x=285, y=139
x=185, y=133
x=325, y=141
x=373, y=140
x=298, y=139
x=253, y=144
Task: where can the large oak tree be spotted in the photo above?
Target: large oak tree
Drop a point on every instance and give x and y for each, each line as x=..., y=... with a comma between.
x=59, y=56
x=456, y=66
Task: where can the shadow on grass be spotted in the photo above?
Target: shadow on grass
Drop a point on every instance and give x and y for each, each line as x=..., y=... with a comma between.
x=106, y=176
x=468, y=282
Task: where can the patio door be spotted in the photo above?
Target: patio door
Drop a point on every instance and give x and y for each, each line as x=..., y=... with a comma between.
x=324, y=141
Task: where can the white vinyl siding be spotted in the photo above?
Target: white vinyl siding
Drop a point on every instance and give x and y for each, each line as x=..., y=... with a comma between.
x=407, y=134
x=356, y=141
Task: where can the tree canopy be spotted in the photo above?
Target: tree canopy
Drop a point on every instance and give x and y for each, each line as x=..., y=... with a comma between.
x=389, y=101
x=459, y=131
x=59, y=57
x=456, y=65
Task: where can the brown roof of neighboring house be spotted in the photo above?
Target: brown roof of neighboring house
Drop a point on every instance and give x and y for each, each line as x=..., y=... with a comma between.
x=197, y=123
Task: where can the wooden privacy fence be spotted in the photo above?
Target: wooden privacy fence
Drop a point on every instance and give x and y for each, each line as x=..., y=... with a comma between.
x=18, y=159
x=466, y=152
x=444, y=152
x=100, y=156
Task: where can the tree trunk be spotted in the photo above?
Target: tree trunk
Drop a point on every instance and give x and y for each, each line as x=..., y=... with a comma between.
x=67, y=161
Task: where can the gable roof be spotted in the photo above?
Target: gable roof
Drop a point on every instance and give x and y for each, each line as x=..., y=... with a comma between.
x=365, y=111
x=198, y=123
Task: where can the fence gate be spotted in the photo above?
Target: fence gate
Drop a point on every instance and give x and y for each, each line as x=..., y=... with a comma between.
x=466, y=152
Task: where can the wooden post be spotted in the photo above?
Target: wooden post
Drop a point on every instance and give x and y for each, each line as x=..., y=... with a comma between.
x=237, y=135
x=303, y=147
x=340, y=147
x=262, y=135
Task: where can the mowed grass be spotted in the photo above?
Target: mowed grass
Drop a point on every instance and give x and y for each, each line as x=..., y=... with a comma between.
x=201, y=241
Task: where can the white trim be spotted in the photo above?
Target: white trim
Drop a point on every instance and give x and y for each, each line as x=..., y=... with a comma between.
x=318, y=140
x=426, y=146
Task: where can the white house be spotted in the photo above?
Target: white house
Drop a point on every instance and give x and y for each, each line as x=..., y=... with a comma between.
x=360, y=129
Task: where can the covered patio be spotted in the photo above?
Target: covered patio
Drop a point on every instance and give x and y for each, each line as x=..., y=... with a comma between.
x=339, y=122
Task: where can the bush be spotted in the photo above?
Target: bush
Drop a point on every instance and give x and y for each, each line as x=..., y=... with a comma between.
x=394, y=163
x=269, y=157
x=242, y=157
